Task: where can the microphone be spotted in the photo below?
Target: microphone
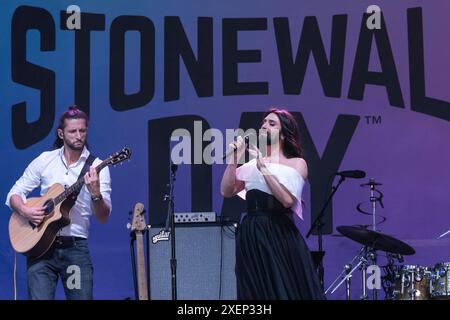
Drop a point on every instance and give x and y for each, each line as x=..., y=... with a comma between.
x=233, y=149
x=356, y=174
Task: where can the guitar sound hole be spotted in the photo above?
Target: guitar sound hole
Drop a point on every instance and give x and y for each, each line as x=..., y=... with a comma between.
x=50, y=207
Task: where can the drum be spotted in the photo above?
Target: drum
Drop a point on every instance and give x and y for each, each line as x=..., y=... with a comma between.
x=412, y=283
x=440, y=284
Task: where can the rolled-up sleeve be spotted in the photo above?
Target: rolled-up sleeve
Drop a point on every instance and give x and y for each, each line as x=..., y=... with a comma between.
x=30, y=179
x=105, y=187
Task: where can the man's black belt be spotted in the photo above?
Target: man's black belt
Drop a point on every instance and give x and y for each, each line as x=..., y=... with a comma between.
x=67, y=240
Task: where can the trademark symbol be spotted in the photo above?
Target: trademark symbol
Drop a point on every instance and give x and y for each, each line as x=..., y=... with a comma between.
x=373, y=119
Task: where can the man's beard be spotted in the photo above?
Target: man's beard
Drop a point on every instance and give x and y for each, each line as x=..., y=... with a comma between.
x=74, y=147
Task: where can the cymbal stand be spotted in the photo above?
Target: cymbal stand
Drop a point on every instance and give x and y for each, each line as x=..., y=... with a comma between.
x=347, y=269
x=373, y=200
x=366, y=256
x=364, y=279
x=346, y=274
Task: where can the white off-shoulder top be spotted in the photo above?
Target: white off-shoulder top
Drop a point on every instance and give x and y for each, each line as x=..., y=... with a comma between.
x=290, y=178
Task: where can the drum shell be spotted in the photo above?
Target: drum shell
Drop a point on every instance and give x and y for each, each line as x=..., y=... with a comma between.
x=419, y=289
x=440, y=285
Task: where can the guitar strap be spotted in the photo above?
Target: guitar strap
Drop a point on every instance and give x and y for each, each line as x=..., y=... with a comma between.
x=87, y=165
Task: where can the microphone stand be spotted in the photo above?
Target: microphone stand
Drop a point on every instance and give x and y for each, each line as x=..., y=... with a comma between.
x=317, y=224
x=171, y=219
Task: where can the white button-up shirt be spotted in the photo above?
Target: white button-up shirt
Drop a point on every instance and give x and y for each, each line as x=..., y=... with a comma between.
x=50, y=167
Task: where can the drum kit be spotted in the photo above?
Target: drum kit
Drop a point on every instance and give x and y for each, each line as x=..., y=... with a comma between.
x=400, y=282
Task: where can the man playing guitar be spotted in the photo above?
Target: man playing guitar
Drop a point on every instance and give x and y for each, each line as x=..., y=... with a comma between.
x=68, y=255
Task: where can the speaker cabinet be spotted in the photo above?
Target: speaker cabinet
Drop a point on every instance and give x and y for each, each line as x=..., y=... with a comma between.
x=205, y=263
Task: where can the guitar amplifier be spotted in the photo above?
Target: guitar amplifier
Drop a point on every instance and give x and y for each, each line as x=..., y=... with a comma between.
x=194, y=217
x=205, y=263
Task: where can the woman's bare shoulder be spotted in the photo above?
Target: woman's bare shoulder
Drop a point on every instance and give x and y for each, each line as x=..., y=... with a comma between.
x=300, y=165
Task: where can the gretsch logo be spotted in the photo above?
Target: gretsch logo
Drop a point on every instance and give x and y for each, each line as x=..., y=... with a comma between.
x=161, y=236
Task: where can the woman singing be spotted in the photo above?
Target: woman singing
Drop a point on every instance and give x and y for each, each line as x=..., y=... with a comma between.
x=273, y=261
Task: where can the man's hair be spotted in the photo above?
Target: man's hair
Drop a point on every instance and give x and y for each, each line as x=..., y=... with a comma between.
x=72, y=113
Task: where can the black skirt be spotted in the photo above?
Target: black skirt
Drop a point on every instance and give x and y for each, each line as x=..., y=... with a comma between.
x=273, y=261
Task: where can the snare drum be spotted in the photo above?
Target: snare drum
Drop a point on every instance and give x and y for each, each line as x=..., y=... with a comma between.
x=412, y=283
x=440, y=284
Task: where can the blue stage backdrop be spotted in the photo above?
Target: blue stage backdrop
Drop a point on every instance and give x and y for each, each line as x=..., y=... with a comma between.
x=370, y=99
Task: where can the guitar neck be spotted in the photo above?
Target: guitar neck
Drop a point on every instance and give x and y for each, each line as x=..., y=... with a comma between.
x=141, y=274
x=76, y=186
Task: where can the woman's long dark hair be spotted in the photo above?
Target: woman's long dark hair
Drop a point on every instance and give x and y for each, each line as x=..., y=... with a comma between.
x=72, y=113
x=290, y=131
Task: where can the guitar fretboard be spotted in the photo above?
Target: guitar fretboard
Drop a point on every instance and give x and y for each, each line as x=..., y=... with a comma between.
x=76, y=187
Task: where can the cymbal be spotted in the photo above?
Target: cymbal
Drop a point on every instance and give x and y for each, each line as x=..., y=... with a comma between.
x=376, y=240
x=371, y=183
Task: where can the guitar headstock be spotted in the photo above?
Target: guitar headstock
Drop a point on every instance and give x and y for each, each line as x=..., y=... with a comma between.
x=119, y=156
x=138, y=221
